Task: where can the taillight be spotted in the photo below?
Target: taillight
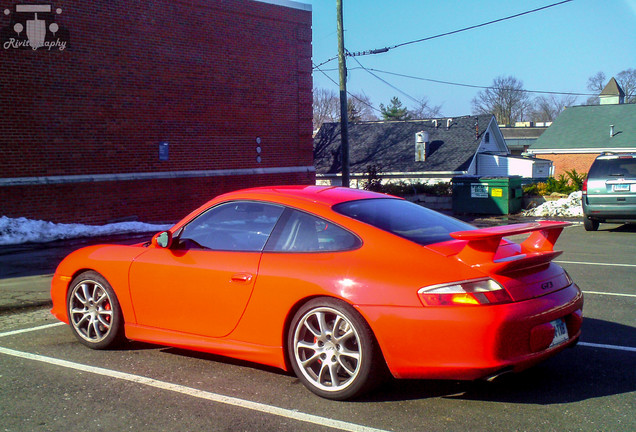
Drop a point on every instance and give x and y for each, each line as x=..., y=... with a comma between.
x=466, y=293
x=584, y=189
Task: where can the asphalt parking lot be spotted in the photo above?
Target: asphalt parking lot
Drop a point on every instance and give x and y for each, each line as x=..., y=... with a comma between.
x=50, y=382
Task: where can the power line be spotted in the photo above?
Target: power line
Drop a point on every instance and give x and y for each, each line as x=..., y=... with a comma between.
x=385, y=49
x=348, y=92
x=325, y=62
x=479, y=86
x=385, y=82
x=482, y=87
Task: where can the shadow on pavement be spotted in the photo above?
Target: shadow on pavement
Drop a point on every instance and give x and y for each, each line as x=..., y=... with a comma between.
x=626, y=228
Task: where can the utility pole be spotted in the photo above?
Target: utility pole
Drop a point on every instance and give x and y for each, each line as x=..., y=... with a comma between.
x=344, y=115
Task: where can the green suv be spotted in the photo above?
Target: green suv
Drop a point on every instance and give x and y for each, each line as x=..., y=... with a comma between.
x=609, y=192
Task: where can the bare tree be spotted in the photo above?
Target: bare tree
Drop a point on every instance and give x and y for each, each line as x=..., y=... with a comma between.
x=505, y=99
x=425, y=111
x=548, y=108
x=627, y=80
x=595, y=84
x=326, y=107
x=360, y=108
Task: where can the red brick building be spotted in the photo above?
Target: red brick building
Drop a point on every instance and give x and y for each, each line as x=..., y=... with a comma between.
x=145, y=110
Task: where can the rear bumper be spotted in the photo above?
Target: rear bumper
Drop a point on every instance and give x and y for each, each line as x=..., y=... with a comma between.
x=475, y=341
x=625, y=212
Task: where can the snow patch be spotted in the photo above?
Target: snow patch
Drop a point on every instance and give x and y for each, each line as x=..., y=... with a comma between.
x=564, y=207
x=22, y=230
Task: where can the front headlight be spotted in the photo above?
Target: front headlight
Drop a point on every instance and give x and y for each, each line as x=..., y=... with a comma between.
x=465, y=293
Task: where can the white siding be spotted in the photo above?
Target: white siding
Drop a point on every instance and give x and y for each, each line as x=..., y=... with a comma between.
x=494, y=165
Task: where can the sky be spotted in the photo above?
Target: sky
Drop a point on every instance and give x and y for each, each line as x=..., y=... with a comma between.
x=556, y=49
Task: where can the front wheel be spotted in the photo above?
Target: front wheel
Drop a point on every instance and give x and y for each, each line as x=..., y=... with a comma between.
x=94, y=312
x=332, y=349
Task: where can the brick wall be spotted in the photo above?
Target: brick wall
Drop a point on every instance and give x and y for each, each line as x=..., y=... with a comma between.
x=208, y=78
x=567, y=162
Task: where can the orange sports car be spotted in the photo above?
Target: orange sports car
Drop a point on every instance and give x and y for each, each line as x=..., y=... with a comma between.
x=339, y=285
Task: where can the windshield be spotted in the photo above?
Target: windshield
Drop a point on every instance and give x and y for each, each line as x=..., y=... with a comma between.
x=403, y=218
x=618, y=167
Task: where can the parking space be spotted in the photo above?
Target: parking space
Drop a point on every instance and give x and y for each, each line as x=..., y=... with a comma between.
x=48, y=380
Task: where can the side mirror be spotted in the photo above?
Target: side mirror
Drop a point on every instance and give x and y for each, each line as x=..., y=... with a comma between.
x=163, y=239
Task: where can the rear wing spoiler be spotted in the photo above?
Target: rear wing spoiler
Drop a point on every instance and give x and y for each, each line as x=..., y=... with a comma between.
x=538, y=249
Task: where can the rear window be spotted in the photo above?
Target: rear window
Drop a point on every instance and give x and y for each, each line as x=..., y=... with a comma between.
x=616, y=167
x=404, y=219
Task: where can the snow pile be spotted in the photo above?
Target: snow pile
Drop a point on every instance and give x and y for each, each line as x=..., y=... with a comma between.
x=22, y=230
x=564, y=207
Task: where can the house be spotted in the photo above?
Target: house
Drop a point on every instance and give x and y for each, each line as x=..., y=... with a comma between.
x=522, y=135
x=581, y=133
x=145, y=111
x=427, y=151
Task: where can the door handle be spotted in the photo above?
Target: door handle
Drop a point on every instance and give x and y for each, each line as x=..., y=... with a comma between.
x=241, y=277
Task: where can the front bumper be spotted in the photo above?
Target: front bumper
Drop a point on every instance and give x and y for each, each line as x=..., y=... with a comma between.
x=59, y=289
x=473, y=342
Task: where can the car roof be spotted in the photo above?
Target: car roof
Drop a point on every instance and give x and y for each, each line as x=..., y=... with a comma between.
x=326, y=195
x=301, y=196
x=616, y=155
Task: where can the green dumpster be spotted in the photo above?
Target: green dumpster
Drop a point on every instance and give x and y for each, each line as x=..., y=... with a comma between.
x=487, y=195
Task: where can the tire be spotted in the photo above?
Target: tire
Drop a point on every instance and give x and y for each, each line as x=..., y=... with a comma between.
x=590, y=224
x=93, y=312
x=332, y=350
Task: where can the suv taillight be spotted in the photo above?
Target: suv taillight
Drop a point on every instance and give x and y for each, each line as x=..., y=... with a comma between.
x=584, y=189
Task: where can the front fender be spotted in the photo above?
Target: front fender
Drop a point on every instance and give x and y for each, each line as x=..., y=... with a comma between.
x=111, y=261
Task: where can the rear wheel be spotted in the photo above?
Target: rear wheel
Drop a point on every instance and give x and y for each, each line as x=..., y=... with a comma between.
x=590, y=224
x=94, y=312
x=332, y=350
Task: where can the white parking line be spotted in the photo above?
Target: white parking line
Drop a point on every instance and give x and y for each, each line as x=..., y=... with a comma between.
x=609, y=294
x=26, y=330
x=614, y=347
x=227, y=400
x=596, y=264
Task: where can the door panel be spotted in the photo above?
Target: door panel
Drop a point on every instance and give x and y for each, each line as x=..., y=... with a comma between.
x=193, y=291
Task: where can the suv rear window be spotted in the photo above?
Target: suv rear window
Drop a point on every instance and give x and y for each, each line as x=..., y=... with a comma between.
x=404, y=219
x=615, y=167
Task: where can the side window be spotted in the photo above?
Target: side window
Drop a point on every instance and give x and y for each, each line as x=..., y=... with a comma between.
x=235, y=226
x=302, y=232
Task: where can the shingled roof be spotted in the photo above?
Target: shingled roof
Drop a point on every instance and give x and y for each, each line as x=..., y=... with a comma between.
x=588, y=128
x=390, y=145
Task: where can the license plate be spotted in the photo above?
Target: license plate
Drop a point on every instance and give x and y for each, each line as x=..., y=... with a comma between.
x=621, y=187
x=560, y=332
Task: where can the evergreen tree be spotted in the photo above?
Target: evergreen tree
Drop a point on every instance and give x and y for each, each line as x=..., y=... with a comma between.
x=394, y=111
